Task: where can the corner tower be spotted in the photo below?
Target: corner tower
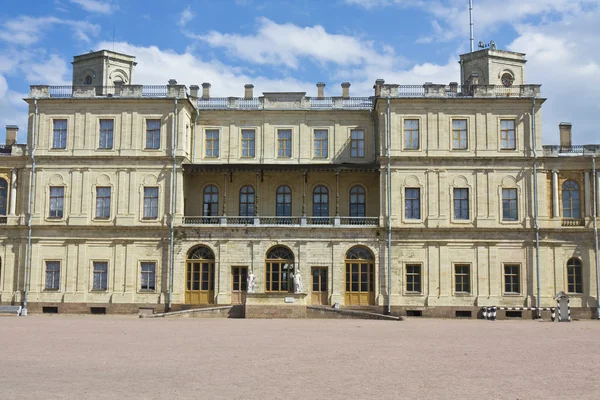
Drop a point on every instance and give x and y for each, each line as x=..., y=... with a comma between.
x=103, y=68
x=492, y=67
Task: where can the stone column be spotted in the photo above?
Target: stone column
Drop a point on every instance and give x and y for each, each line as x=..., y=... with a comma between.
x=337, y=193
x=13, y=192
x=304, y=177
x=225, y=193
x=256, y=195
x=588, y=192
x=554, y=193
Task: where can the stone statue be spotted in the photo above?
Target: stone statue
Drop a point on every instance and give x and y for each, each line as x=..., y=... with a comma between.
x=251, y=282
x=298, y=286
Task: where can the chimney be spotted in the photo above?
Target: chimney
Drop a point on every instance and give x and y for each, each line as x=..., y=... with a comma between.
x=378, y=84
x=11, y=134
x=345, y=90
x=563, y=127
x=320, y=90
x=194, y=91
x=206, y=90
x=248, y=91
x=172, y=82
x=453, y=87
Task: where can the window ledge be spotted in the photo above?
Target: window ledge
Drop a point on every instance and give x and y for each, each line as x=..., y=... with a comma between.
x=99, y=290
x=512, y=294
x=51, y=290
x=461, y=221
x=463, y=294
x=413, y=294
x=146, y=291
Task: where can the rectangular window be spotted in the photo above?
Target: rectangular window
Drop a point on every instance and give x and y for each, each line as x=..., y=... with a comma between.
x=459, y=134
x=148, y=276
x=106, y=133
x=507, y=134
x=248, y=143
x=509, y=205
x=52, y=275
x=100, y=275
x=212, y=143
x=512, y=278
x=461, y=203
x=357, y=143
x=57, y=199
x=150, y=203
x=462, y=278
x=411, y=134
x=59, y=136
x=284, y=143
x=153, y=134
x=321, y=143
x=574, y=276
x=103, y=202
x=413, y=278
x=412, y=203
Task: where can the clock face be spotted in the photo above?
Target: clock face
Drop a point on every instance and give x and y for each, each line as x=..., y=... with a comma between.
x=507, y=80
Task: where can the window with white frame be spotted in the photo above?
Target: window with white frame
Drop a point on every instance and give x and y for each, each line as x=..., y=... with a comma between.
x=459, y=134
x=212, y=143
x=59, y=134
x=512, y=278
x=411, y=134
x=509, y=205
x=320, y=143
x=284, y=143
x=357, y=143
x=103, y=195
x=106, y=133
x=248, y=143
x=150, y=202
x=148, y=281
x=57, y=199
x=153, y=134
x=462, y=278
x=412, y=203
x=413, y=278
x=52, y=275
x=507, y=134
x=461, y=203
x=100, y=279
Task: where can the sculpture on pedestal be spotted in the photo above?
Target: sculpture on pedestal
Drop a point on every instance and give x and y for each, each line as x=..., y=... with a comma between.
x=298, y=286
x=251, y=282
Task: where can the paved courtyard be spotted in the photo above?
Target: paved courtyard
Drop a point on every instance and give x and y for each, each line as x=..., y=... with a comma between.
x=81, y=357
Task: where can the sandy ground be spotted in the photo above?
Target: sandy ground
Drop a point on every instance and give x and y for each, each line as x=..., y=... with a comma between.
x=102, y=357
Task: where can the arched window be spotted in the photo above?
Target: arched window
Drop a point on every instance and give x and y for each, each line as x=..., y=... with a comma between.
x=211, y=201
x=570, y=199
x=360, y=284
x=357, y=201
x=320, y=201
x=284, y=201
x=247, y=201
x=574, y=276
x=200, y=276
x=3, y=196
x=279, y=270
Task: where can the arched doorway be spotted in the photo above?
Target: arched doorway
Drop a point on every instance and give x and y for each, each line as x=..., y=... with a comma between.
x=200, y=276
x=360, y=284
x=279, y=269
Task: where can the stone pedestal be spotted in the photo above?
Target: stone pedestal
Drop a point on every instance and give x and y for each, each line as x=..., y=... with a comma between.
x=276, y=305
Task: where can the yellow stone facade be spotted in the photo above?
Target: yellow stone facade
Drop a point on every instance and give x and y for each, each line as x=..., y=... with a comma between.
x=117, y=215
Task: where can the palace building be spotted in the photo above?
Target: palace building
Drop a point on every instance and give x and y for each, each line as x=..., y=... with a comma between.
x=431, y=200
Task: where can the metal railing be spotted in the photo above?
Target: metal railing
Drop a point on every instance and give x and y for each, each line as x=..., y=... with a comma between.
x=270, y=221
x=214, y=103
x=154, y=91
x=5, y=149
x=2, y=219
x=65, y=92
x=411, y=91
x=61, y=91
x=576, y=150
x=259, y=103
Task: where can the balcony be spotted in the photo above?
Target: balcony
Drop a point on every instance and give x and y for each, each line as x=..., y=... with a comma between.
x=122, y=91
x=571, y=151
x=572, y=222
x=281, y=221
x=455, y=91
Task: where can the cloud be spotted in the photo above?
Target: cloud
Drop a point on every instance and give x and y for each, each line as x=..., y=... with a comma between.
x=186, y=16
x=26, y=30
x=287, y=44
x=96, y=6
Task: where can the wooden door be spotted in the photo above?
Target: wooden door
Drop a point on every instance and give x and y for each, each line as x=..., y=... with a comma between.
x=359, y=283
x=319, y=286
x=200, y=282
x=239, y=277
